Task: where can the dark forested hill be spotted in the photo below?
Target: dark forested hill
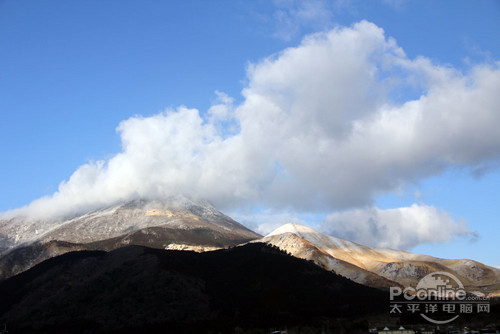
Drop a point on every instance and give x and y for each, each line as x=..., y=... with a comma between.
x=139, y=289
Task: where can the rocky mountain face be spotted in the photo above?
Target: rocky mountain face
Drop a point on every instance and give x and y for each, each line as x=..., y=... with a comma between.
x=173, y=223
x=376, y=267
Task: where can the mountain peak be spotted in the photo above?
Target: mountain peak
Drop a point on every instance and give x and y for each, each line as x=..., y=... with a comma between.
x=175, y=222
x=292, y=228
x=318, y=238
x=173, y=212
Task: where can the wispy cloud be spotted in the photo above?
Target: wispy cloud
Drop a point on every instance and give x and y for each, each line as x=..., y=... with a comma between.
x=291, y=16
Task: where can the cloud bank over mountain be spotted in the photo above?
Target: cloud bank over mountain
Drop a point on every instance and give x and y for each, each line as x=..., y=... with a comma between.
x=400, y=228
x=322, y=127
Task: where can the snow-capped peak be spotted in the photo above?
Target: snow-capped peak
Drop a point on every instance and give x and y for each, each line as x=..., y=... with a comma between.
x=292, y=228
x=318, y=238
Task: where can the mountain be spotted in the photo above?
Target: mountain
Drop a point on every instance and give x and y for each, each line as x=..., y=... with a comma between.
x=139, y=289
x=174, y=223
x=301, y=248
x=378, y=267
x=180, y=223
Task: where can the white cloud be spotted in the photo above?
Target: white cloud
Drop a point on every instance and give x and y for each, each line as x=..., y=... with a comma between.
x=323, y=126
x=401, y=228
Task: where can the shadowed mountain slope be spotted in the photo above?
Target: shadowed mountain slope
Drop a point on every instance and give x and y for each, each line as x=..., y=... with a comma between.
x=152, y=290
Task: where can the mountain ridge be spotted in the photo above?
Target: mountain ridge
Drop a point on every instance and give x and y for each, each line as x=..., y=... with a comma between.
x=400, y=267
x=173, y=222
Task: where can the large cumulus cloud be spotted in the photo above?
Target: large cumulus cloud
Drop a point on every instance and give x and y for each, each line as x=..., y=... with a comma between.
x=323, y=126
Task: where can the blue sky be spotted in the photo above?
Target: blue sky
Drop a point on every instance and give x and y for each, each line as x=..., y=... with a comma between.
x=72, y=71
